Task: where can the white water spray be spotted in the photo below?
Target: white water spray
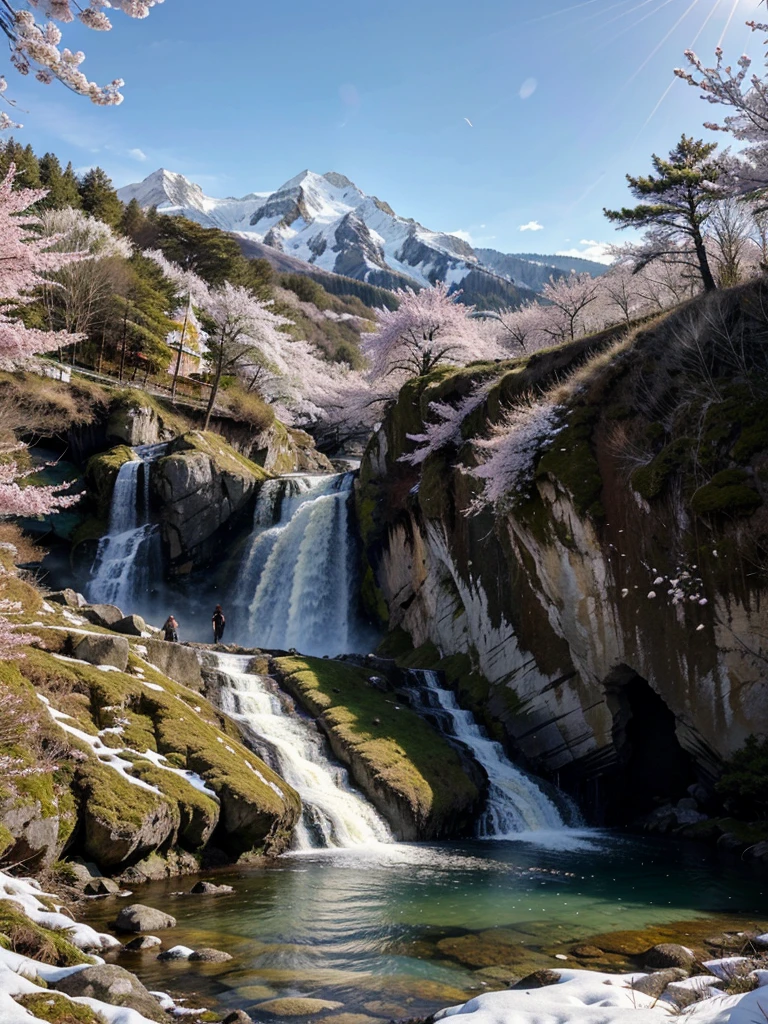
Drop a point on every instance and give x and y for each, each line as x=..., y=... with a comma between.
x=335, y=814
x=121, y=571
x=515, y=802
x=297, y=579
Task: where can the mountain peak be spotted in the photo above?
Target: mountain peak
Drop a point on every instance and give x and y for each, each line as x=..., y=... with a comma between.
x=338, y=180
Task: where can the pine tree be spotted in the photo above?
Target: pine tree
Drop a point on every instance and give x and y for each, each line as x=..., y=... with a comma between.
x=99, y=197
x=675, y=204
x=71, y=187
x=133, y=219
x=25, y=161
x=62, y=191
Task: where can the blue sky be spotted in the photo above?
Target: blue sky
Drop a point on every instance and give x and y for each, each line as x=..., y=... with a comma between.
x=240, y=96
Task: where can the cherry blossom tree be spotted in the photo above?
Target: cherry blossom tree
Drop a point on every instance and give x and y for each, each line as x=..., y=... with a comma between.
x=570, y=298
x=192, y=289
x=245, y=334
x=35, y=46
x=445, y=430
x=524, y=328
x=429, y=327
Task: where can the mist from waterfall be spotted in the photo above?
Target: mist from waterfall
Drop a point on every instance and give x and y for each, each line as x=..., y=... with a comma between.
x=516, y=804
x=334, y=815
x=297, y=582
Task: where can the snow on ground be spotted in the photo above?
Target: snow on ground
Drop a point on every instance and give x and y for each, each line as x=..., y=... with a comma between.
x=590, y=997
x=27, y=893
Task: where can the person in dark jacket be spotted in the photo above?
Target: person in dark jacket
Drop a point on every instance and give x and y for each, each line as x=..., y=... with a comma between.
x=218, y=622
x=170, y=630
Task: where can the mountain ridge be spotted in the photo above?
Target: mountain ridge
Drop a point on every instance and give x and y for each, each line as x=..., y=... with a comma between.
x=324, y=221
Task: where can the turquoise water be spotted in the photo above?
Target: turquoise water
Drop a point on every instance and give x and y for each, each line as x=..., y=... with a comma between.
x=402, y=931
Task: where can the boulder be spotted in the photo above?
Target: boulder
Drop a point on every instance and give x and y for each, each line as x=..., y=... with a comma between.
x=210, y=956
x=82, y=871
x=654, y=985
x=209, y=889
x=143, y=942
x=176, y=953
x=131, y=625
x=104, y=615
x=112, y=842
x=98, y=649
x=67, y=597
x=112, y=984
x=138, y=918
x=669, y=954
x=175, y=661
x=237, y=1017
x=101, y=887
x=35, y=836
x=538, y=979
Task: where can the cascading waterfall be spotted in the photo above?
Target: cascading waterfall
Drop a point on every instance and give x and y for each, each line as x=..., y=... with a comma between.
x=515, y=802
x=296, y=585
x=335, y=815
x=121, y=570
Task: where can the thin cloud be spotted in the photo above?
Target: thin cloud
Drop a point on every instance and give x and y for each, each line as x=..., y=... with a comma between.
x=528, y=88
x=137, y=154
x=598, y=252
x=465, y=236
x=532, y=225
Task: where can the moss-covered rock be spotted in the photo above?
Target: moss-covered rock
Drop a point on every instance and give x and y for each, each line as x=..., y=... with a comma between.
x=203, y=484
x=727, y=492
x=100, y=475
x=406, y=768
x=24, y=936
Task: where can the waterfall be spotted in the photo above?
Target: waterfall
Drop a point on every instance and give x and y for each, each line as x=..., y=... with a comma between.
x=334, y=814
x=296, y=586
x=121, y=569
x=515, y=802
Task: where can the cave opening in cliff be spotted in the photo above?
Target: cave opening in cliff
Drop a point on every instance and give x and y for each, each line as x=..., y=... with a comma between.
x=653, y=767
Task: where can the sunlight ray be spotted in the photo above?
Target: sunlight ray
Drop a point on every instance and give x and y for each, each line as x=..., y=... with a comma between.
x=724, y=33
x=628, y=28
x=624, y=14
x=620, y=3
x=563, y=10
x=661, y=42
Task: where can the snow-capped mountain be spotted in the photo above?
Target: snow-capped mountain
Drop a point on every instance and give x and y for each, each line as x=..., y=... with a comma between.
x=327, y=222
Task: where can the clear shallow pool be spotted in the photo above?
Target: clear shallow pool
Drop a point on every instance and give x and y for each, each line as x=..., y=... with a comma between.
x=404, y=930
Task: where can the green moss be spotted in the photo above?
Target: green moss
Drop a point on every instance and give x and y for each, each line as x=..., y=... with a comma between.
x=32, y=940
x=222, y=454
x=57, y=1009
x=372, y=596
x=198, y=813
x=726, y=492
x=396, y=644
x=398, y=746
x=93, y=528
x=434, y=486
x=649, y=481
x=571, y=461
x=100, y=475
x=6, y=840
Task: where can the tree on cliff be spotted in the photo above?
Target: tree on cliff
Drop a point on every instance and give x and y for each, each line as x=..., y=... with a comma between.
x=676, y=203
x=428, y=328
x=244, y=331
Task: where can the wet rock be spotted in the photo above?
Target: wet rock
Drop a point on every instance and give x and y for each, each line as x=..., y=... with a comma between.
x=655, y=984
x=209, y=889
x=502, y=975
x=237, y=1017
x=297, y=1006
x=587, y=952
x=669, y=954
x=352, y=1018
x=98, y=649
x=381, y=1008
x=83, y=871
x=115, y=985
x=101, y=887
x=130, y=625
x=138, y=918
x=104, y=615
x=210, y=956
x=143, y=942
x=67, y=597
x=687, y=804
x=538, y=979
x=176, y=953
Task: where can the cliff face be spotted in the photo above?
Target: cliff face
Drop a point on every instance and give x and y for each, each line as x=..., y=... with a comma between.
x=610, y=624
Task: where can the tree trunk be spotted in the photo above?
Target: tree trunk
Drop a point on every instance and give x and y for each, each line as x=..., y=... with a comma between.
x=125, y=342
x=215, y=388
x=181, y=350
x=710, y=285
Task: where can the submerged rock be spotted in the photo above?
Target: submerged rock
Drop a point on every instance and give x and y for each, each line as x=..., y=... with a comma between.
x=115, y=985
x=237, y=1017
x=210, y=956
x=297, y=1006
x=209, y=889
x=139, y=918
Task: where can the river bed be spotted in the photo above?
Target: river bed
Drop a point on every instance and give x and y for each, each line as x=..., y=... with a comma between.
x=401, y=931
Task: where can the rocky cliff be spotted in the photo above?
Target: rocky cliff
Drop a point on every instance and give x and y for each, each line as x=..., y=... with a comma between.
x=608, y=621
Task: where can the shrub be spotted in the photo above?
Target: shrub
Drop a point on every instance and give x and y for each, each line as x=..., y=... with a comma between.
x=744, y=782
